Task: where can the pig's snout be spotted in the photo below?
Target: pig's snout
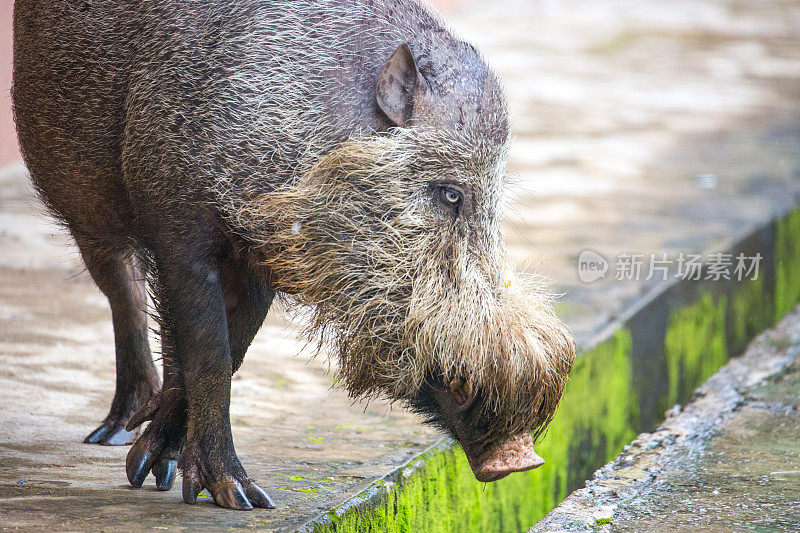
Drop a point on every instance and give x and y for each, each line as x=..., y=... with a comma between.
x=514, y=455
x=488, y=463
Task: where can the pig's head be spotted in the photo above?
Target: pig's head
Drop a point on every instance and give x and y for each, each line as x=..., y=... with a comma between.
x=395, y=242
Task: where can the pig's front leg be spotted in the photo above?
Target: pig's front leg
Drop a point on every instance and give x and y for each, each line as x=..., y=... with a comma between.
x=193, y=309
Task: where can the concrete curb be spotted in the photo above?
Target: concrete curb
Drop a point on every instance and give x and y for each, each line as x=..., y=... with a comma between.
x=593, y=507
x=368, y=498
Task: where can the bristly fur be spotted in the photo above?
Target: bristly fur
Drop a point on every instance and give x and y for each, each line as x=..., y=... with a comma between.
x=405, y=291
x=198, y=131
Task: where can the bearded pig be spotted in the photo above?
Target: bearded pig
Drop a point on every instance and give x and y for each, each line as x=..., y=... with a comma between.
x=348, y=154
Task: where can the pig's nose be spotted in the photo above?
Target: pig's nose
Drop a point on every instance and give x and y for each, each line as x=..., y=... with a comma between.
x=514, y=455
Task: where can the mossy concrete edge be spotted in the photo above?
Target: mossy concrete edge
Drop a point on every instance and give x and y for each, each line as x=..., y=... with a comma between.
x=378, y=488
x=593, y=507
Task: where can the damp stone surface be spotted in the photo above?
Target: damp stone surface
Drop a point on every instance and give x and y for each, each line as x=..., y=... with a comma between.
x=727, y=461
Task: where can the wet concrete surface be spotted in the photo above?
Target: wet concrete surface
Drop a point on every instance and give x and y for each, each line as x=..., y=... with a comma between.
x=619, y=107
x=748, y=477
x=728, y=461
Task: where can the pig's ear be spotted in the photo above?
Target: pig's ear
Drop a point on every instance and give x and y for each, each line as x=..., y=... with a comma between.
x=400, y=85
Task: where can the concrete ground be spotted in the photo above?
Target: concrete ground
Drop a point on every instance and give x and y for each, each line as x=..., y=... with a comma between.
x=729, y=461
x=641, y=126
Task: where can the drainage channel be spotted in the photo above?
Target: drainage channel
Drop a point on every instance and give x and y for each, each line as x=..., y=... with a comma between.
x=648, y=360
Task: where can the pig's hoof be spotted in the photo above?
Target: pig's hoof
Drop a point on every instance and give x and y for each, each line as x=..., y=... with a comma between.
x=111, y=433
x=160, y=445
x=164, y=471
x=230, y=488
x=116, y=429
x=155, y=451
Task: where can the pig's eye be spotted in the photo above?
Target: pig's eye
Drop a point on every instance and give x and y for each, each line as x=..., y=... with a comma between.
x=450, y=197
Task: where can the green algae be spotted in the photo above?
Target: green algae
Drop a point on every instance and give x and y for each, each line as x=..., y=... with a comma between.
x=787, y=255
x=313, y=439
x=694, y=346
x=349, y=427
x=751, y=312
x=700, y=337
x=307, y=490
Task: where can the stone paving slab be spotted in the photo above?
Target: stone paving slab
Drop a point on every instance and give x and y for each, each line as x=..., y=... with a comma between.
x=728, y=461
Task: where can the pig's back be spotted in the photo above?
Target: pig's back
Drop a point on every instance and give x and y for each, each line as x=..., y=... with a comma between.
x=153, y=100
x=265, y=88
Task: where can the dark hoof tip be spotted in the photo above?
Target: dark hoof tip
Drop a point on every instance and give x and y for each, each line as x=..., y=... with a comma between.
x=110, y=436
x=137, y=466
x=97, y=435
x=259, y=498
x=191, y=488
x=232, y=497
x=165, y=474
